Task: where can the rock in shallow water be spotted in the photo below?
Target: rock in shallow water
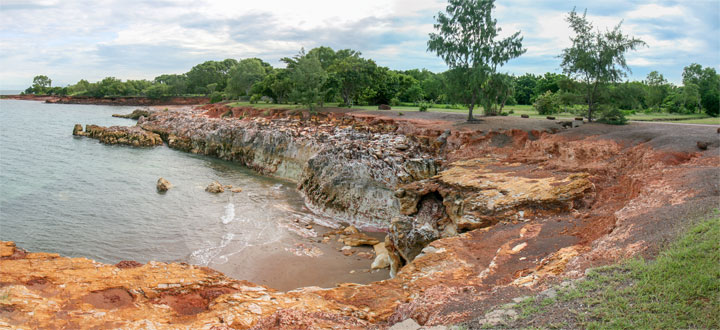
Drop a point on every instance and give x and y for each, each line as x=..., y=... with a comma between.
x=163, y=185
x=126, y=135
x=215, y=188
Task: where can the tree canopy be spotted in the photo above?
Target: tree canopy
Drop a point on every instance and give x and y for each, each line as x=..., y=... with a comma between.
x=465, y=39
x=596, y=58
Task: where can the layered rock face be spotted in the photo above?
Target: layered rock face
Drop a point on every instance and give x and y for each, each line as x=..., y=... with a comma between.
x=345, y=167
x=126, y=135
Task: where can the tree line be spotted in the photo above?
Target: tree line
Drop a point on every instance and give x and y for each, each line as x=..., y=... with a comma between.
x=466, y=39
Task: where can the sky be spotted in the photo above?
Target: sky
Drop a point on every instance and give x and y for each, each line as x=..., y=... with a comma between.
x=138, y=39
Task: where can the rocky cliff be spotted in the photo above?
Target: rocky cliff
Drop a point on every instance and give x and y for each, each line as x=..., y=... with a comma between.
x=345, y=167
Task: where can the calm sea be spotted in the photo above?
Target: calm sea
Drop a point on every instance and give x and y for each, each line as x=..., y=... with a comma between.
x=77, y=197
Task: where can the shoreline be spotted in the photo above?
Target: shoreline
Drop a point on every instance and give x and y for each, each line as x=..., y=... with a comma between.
x=118, y=101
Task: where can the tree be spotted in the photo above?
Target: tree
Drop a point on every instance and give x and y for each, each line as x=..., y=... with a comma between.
x=595, y=57
x=465, y=40
x=41, y=84
x=525, y=88
x=208, y=73
x=352, y=74
x=548, y=82
x=308, y=78
x=177, y=83
x=705, y=80
x=657, y=89
x=244, y=75
x=500, y=88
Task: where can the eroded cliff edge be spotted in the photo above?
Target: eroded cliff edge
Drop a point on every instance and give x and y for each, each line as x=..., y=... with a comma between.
x=502, y=213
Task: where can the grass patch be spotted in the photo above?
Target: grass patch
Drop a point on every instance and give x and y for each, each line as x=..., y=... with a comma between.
x=680, y=289
x=517, y=111
x=709, y=121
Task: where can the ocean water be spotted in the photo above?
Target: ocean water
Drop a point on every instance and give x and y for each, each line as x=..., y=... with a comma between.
x=79, y=198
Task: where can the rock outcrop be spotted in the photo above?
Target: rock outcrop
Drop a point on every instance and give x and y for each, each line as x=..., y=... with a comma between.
x=136, y=114
x=125, y=135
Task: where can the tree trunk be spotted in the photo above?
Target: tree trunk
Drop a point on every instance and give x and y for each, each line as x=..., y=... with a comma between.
x=346, y=99
x=471, y=106
x=591, y=98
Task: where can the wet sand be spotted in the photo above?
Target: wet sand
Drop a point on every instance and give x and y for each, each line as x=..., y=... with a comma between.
x=303, y=261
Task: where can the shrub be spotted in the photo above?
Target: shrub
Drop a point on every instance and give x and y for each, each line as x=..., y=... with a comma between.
x=547, y=104
x=255, y=98
x=423, y=106
x=394, y=101
x=216, y=97
x=613, y=116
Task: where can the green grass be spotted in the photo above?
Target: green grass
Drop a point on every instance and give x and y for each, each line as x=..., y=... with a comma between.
x=680, y=289
x=662, y=116
x=517, y=111
x=709, y=120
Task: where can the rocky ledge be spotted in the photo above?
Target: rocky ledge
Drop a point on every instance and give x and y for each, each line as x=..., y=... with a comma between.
x=125, y=135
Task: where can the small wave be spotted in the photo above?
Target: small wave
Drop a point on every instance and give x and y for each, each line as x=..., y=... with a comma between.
x=229, y=214
x=205, y=255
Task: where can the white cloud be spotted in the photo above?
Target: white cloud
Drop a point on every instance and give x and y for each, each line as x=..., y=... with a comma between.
x=69, y=40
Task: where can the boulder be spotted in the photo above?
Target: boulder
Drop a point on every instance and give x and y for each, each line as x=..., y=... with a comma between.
x=163, y=185
x=215, y=188
x=382, y=258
